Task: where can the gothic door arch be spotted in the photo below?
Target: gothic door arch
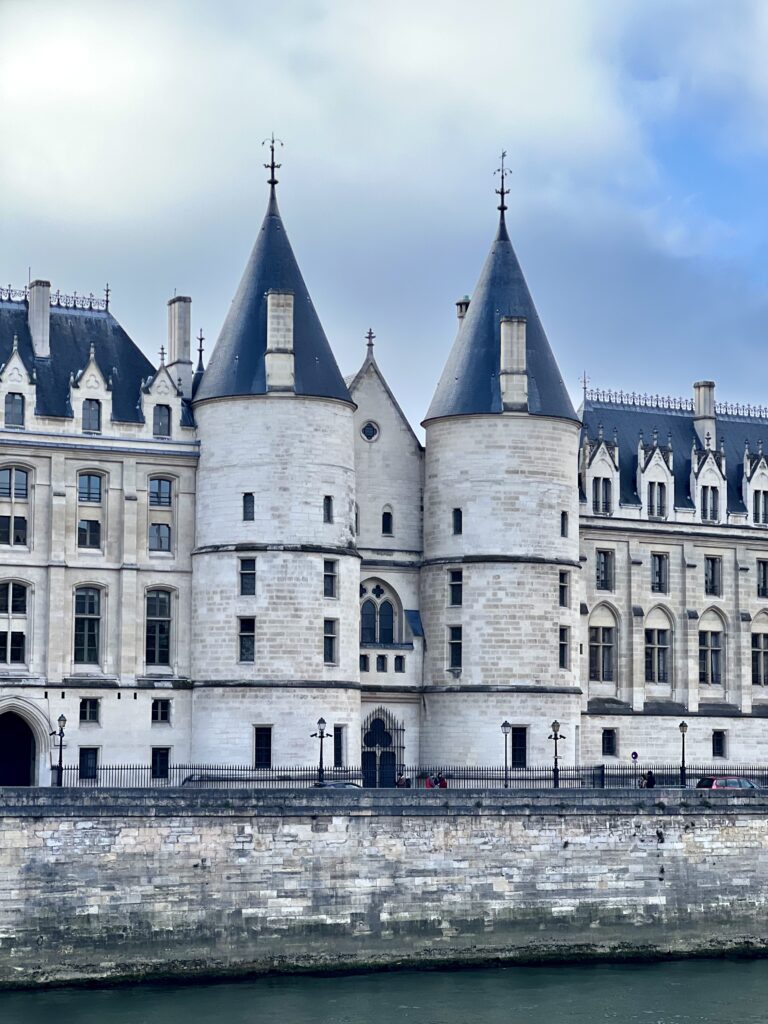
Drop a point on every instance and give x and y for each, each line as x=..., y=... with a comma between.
x=383, y=748
x=17, y=751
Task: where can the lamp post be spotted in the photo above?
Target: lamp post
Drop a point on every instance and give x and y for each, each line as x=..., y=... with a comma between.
x=506, y=728
x=556, y=735
x=683, y=730
x=60, y=773
x=322, y=736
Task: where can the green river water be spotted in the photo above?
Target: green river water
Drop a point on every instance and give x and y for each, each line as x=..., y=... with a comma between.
x=683, y=992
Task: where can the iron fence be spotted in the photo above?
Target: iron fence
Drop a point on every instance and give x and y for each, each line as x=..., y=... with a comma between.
x=216, y=776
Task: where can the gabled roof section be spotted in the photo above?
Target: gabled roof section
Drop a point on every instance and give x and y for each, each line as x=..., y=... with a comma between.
x=675, y=426
x=72, y=335
x=369, y=363
x=237, y=364
x=470, y=381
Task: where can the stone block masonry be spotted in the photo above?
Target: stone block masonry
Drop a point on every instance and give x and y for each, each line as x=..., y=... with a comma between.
x=110, y=885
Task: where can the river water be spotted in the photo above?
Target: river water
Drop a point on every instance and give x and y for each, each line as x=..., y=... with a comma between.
x=684, y=992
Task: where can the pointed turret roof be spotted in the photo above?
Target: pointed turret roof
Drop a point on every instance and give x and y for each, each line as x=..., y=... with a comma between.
x=470, y=381
x=236, y=365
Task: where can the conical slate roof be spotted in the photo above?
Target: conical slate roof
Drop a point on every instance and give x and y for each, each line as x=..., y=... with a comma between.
x=470, y=381
x=236, y=365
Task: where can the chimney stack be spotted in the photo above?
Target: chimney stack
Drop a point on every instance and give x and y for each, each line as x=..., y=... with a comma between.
x=279, y=355
x=179, y=340
x=461, y=308
x=704, y=411
x=513, y=366
x=39, y=317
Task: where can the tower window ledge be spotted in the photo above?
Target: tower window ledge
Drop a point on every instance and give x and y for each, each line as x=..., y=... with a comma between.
x=386, y=647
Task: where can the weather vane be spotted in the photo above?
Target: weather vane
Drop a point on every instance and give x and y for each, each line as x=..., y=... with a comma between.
x=503, y=171
x=272, y=166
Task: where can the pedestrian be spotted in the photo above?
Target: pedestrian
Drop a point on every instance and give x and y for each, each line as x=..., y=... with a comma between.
x=442, y=782
x=429, y=782
x=402, y=782
x=650, y=780
x=643, y=781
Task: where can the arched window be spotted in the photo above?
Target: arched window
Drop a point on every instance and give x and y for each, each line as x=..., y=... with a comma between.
x=14, y=497
x=87, y=625
x=158, y=627
x=711, y=649
x=161, y=421
x=387, y=522
x=160, y=492
x=368, y=617
x=658, y=647
x=379, y=616
x=13, y=623
x=386, y=623
x=603, y=636
x=14, y=409
x=89, y=488
x=760, y=650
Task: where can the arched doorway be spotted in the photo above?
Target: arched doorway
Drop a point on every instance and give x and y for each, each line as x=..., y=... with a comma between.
x=383, y=746
x=17, y=751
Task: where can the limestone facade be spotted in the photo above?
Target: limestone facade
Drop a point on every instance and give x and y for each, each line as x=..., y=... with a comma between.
x=198, y=567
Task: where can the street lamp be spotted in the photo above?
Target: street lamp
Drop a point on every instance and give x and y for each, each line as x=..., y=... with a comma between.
x=506, y=728
x=60, y=774
x=683, y=730
x=556, y=735
x=322, y=736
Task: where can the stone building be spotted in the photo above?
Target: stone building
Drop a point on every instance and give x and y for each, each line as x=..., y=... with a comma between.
x=197, y=566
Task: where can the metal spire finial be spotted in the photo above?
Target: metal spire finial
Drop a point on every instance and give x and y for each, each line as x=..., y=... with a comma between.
x=503, y=171
x=162, y=355
x=106, y=297
x=200, y=339
x=584, y=382
x=369, y=338
x=272, y=166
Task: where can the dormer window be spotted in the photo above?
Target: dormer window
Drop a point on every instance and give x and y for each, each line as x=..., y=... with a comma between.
x=602, y=496
x=760, y=508
x=161, y=425
x=14, y=409
x=710, y=505
x=92, y=415
x=657, y=501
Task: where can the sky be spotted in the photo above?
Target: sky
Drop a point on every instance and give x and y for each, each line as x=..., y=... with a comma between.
x=636, y=132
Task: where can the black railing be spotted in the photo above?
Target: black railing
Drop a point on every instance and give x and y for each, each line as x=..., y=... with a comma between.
x=210, y=776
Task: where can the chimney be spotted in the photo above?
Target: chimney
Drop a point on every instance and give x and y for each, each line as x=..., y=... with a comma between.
x=513, y=370
x=461, y=308
x=179, y=333
x=279, y=355
x=704, y=412
x=39, y=317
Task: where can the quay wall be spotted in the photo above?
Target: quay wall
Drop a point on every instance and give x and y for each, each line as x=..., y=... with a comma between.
x=111, y=885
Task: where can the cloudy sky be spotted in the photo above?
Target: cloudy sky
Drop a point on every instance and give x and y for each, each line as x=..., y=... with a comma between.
x=637, y=133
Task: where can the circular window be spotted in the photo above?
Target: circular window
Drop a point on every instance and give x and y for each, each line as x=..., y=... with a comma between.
x=370, y=431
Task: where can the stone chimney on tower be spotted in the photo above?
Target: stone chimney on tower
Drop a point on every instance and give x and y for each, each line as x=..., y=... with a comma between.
x=704, y=412
x=279, y=355
x=179, y=340
x=39, y=318
x=513, y=364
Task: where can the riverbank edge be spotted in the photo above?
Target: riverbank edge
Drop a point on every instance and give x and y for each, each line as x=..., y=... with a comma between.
x=204, y=973
x=68, y=854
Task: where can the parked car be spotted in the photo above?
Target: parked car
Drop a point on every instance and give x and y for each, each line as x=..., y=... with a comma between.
x=725, y=782
x=337, y=785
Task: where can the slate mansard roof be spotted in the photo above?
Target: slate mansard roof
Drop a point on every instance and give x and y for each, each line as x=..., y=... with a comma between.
x=628, y=419
x=237, y=364
x=470, y=381
x=72, y=333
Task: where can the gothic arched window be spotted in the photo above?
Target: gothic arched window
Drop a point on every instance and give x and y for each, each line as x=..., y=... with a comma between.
x=379, y=618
